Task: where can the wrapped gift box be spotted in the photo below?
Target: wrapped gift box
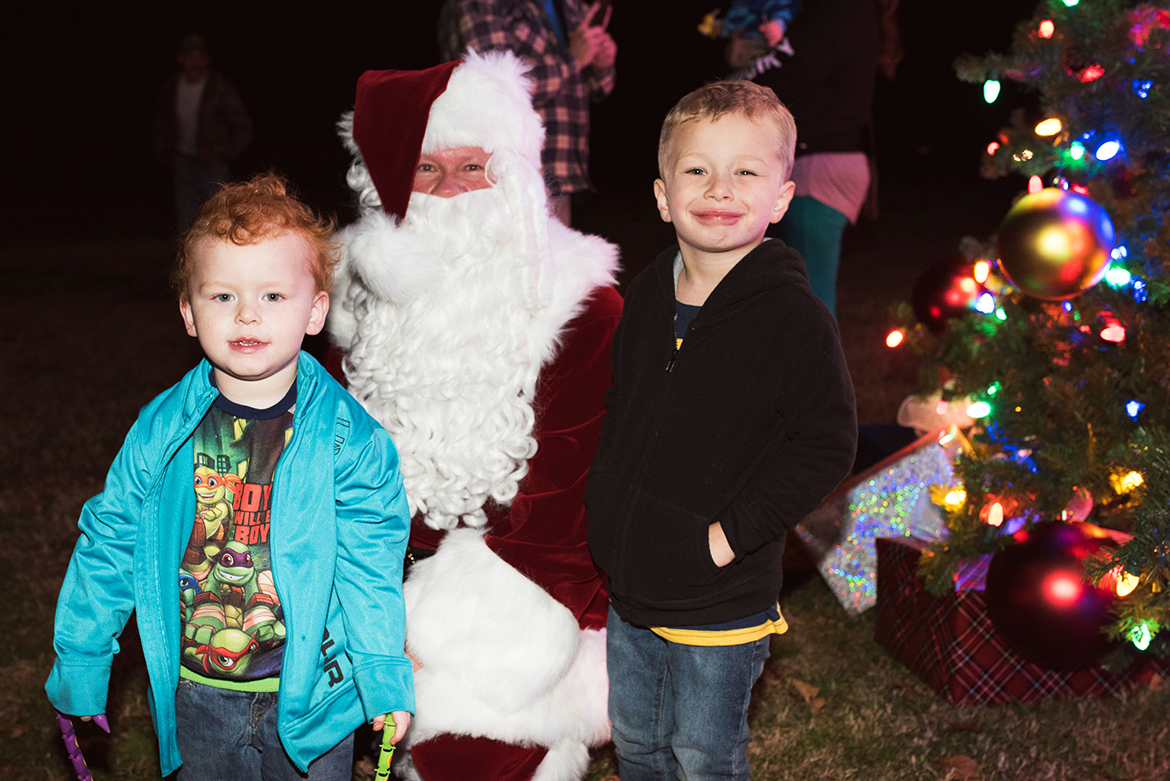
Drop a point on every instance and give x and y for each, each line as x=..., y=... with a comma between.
x=890, y=499
x=951, y=644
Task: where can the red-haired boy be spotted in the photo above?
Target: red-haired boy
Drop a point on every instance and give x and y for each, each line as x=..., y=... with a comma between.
x=265, y=651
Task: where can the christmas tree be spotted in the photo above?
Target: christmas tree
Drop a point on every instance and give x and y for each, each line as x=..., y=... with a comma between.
x=1067, y=369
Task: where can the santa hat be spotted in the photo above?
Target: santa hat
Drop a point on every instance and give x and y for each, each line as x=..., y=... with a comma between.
x=390, y=119
x=483, y=100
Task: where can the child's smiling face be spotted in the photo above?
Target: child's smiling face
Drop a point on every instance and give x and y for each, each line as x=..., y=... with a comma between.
x=723, y=183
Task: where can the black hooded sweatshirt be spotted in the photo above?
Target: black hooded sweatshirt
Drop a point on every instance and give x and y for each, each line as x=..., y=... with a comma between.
x=751, y=424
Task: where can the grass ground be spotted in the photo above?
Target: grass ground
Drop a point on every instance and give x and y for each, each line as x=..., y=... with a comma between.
x=88, y=334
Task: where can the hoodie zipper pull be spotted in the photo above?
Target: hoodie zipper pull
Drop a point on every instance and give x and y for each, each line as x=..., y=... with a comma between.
x=674, y=353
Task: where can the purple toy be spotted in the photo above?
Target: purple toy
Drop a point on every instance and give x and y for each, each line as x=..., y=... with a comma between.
x=71, y=747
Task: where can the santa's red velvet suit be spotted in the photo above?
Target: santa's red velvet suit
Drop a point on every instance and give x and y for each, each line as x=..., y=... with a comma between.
x=477, y=330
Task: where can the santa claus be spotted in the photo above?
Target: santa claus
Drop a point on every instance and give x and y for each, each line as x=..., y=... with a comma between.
x=477, y=329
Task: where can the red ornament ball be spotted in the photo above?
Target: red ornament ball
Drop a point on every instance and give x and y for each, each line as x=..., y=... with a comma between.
x=946, y=289
x=1038, y=599
x=1055, y=244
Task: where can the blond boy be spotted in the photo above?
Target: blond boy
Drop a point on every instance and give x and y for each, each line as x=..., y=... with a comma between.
x=254, y=521
x=730, y=418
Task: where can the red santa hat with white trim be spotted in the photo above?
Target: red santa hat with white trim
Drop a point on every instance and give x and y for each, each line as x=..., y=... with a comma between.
x=483, y=100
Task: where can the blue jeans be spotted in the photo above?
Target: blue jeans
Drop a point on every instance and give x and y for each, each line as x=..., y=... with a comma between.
x=225, y=734
x=679, y=711
x=815, y=230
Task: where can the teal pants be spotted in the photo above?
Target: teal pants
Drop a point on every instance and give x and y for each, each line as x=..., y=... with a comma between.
x=814, y=230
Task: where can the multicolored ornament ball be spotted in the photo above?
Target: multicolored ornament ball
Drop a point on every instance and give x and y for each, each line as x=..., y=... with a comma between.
x=1038, y=599
x=945, y=290
x=1055, y=244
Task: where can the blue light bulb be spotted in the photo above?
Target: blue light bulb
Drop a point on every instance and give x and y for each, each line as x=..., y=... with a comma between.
x=1108, y=150
x=1139, y=290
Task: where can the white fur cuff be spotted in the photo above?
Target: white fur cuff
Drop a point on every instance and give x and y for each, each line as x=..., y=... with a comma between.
x=500, y=657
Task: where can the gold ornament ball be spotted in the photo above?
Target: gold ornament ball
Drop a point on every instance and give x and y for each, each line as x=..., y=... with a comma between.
x=1055, y=244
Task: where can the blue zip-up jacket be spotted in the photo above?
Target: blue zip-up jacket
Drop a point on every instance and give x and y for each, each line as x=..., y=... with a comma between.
x=339, y=528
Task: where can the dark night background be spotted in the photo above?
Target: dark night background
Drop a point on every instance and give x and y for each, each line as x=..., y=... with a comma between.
x=82, y=80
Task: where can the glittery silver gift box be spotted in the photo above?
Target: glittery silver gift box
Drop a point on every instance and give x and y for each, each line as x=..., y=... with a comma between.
x=890, y=499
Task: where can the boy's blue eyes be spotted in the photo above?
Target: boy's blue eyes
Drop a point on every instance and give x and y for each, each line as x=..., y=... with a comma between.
x=225, y=298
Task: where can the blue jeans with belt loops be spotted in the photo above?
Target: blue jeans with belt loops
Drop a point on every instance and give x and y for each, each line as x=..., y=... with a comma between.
x=679, y=711
x=225, y=734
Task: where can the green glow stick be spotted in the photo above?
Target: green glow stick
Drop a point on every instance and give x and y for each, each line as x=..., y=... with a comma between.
x=387, y=754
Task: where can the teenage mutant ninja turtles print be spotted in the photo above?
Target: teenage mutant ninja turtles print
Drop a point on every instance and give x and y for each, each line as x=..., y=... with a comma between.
x=233, y=627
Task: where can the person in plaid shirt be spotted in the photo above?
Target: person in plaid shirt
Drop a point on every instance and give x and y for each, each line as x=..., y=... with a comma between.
x=571, y=58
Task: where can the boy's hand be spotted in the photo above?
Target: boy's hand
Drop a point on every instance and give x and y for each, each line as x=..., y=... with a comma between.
x=401, y=722
x=721, y=552
x=773, y=32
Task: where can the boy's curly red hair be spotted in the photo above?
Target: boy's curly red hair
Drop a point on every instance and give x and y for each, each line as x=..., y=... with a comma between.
x=245, y=213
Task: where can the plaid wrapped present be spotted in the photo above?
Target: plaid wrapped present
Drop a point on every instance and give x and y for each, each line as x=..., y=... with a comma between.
x=890, y=499
x=952, y=646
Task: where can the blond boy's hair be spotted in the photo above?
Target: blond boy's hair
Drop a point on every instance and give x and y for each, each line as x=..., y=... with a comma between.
x=246, y=213
x=712, y=101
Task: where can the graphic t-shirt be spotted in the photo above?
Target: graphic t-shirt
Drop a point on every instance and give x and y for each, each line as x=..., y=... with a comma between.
x=233, y=624
x=683, y=315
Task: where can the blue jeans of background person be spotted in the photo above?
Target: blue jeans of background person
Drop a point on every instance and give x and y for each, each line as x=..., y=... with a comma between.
x=679, y=711
x=815, y=230
x=225, y=734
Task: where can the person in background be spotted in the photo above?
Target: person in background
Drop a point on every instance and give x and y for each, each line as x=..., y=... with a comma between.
x=759, y=19
x=571, y=57
x=476, y=328
x=200, y=128
x=826, y=77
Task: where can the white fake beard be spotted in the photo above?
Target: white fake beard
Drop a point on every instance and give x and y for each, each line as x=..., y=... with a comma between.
x=451, y=374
